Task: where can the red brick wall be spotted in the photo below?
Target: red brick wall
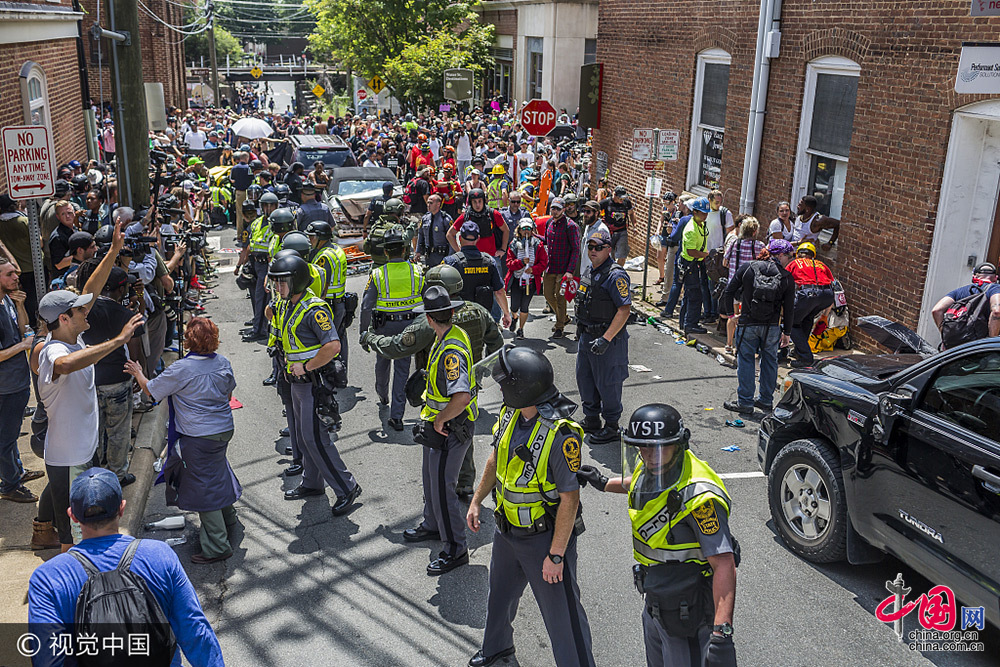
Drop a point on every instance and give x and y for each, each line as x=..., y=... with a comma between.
x=504, y=20
x=908, y=55
x=57, y=59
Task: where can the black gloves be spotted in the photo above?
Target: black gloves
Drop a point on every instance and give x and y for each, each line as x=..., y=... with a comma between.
x=721, y=651
x=599, y=346
x=593, y=475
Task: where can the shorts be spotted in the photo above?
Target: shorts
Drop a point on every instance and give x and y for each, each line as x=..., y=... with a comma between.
x=520, y=297
x=619, y=244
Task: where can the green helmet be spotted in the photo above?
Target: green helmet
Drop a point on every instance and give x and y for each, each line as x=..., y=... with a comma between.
x=395, y=206
x=393, y=238
x=282, y=220
x=446, y=276
x=298, y=242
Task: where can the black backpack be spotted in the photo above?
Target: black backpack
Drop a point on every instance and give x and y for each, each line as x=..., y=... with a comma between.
x=118, y=603
x=766, y=292
x=967, y=319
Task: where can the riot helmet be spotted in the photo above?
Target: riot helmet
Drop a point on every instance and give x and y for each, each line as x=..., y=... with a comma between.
x=477, y=193
x=298, y=242
x=282, y=190
x=255, y=192
x=291, y=269
x=446, y=276
x=393, y=239
x=394, y=206
x=104, y=236
x=653, y=445
x=524, y=375
x=320, y=229
x=282, y=221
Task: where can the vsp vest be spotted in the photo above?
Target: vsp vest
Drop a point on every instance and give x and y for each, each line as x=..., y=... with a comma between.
x=295, y=350
x=594, y=304
x=698, y=484
x=456, y=341
x=524, y=494
x=475, y=279
x=399, y=285
x=333, y=260
x=278, y=308
x=260, y=235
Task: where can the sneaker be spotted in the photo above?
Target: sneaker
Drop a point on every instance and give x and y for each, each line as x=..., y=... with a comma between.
x=799, y=363
x=19, y=494
x=695, y=330
x=558, y=333
x=519, y=334
x=734, y=406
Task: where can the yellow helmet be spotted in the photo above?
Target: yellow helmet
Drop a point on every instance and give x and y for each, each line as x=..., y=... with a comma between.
x=806, y=246
x=498, y=169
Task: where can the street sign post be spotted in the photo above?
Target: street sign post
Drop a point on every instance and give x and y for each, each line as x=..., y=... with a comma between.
x=256, y=72
x=642, y=144
x=27, y=159
x=538, y=117
x=653, y=165
x=318, y=90
x=667, y=145
x=647, y=149
x=362, y=94
x=459, y=84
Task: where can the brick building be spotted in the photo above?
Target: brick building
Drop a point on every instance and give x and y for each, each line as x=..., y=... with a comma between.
x=861, y=110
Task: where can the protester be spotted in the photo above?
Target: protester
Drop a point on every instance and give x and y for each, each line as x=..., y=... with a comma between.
x=741, y=249
x=562, y=245
x=783, y=227
x=526, y=264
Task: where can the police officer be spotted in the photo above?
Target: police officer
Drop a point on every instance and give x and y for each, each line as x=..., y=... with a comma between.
x=447, y=425
x=432, y=237
x=276, y=312
x=331, y=258
x=391, y=218
x=282, y=222
x=480, y=277
x=284, y=196
x=532, y=475
x=309, y=342
x=386, y=308
x=417, y=338
x=312, y=208
x=686, y=556
x=298, y=243
x=256, y=252
x=376, y=207
x=603, y=306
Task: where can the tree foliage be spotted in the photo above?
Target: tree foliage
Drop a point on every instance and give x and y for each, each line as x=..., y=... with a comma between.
x=196, y=46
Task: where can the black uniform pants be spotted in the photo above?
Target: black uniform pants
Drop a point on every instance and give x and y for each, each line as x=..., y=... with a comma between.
x=809, y=302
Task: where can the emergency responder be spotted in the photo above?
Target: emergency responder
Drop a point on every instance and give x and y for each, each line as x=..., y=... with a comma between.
x=533, y=468
x=813, y=295
x=432, y=237
x=391, y=218
x=284, y=192
x=417, y=338
x=256, y=251
x=309, y=342
x=299, y=243
x=386, y=308
x=603, y=306
x=220, y=197
x=376, y=207
x=498, y=189
x=282, y=222
x=686, y=556
x=447, y=425
x=480, y=276
x=331, y=258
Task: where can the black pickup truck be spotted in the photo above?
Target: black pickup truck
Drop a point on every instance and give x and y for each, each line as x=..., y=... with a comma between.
x=897, y=454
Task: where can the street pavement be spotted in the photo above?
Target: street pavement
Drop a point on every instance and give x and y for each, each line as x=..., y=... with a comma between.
x=304, y=587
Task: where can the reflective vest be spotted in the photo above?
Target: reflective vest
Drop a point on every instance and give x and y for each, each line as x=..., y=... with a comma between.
x=316, y=287
x=494, y=192
x=523, y=489
x=278, y=307
x=399, y=285
x=273, y=246
x=456, y=340
x=333, y=260
x=260, y=235
x=295, y=350
x=220, y=196
x=698, y=484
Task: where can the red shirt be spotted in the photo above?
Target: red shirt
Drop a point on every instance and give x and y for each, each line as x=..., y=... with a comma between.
x=486, y=244
x=810, y=272
x=447, y=190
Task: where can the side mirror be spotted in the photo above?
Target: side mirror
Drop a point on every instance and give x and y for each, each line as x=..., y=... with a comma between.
x=893, y=403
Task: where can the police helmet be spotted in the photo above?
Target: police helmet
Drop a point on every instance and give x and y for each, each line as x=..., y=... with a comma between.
x=394, y=206
x=254, y=192
x=104, y=235
x=80, y=182
x=446, y=276
x=292, y=269
x=269, y=198
x=248, y=205
x=282, y=190
x=320, y=229
x=477, y=193
x=650, y=430
x=256, y=164
x=281, y=220
x=298, y=242
x=393, y=238
x=525, y=377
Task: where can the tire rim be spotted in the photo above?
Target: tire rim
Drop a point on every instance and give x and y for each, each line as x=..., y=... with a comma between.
x=805, y=502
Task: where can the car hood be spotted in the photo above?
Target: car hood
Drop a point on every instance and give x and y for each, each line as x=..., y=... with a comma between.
x=866, y=368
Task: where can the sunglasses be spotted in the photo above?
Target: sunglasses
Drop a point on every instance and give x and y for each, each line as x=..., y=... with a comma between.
x=597, y=246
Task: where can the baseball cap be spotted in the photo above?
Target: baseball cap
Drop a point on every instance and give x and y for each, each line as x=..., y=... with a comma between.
x=778, y=246
x=469, y=231
x=95, y=495
x=602, y=236
x=701, y=205
x=79, y=240
x=62, y=186
x=592, y=205
x=986, y=269
x=119, y=277
x=669, y=196
x=558, y=202
x=74, y=163
x=59, y=301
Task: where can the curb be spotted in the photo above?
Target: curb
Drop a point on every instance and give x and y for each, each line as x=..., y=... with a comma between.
x=707, y=341
x=149, y=443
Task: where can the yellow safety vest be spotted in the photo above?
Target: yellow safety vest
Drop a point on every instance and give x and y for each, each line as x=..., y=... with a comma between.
x=333, y=260
x=318, y=280
x=494, y=193
x=399, y=285
x=273, y=247
x=524, y=490
x=260, y=235
x=278, y=307
x=698, y=484
x=295, y=350
x=456, y=340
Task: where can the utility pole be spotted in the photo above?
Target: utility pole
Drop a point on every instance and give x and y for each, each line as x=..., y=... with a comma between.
x=213, y=57
x=131, y=125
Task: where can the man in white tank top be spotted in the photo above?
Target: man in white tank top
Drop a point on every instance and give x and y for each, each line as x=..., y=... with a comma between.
x=811, y=222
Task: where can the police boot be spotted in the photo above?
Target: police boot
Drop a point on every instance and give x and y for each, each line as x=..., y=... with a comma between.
x=591, y=424
x=608, y=434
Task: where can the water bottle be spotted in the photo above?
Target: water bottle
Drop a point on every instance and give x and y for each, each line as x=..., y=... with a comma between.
x=28, y=332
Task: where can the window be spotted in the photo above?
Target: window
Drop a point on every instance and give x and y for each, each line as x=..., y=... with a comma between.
x=589, y=51
x=708, y=120
x=34, y=95
x=825, y=132
x=966, y=392
x=534, y=48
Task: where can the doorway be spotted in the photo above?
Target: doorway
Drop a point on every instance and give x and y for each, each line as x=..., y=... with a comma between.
x=967, y=229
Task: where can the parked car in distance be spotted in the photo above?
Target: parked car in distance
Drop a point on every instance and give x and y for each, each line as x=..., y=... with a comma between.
x=331, y=150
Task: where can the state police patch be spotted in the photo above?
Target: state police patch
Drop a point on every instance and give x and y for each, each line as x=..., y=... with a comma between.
x=571, y=450
x=707, y=520
x=622, y=285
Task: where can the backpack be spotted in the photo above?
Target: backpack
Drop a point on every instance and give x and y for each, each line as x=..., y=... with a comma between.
x=967, y=319
x=766, y=291
x=118, y=603
x=409, y=191
x=713, y=265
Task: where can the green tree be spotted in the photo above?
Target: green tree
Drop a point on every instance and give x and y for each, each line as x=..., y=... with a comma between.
x=196, y=46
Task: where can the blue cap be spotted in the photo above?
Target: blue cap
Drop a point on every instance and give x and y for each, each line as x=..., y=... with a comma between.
x=601, y=236
x=469, y=231
x=95, y=495
x=700, y=204
x=388, y=185
x=74, y=164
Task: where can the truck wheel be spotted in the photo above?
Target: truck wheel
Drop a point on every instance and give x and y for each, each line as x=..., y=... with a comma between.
x=806, y=496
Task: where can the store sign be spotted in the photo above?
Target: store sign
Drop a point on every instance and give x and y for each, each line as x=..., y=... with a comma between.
x=642, y=144
x=710, y=165
x=985, y=8
x=979, y=69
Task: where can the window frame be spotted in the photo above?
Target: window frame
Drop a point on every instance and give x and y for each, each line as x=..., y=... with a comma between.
x=713, y=56
x=837, y=66
x=589, y=54
x=33, y=71
x=534, y=88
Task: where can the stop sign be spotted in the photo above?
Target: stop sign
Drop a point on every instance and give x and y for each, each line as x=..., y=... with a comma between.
x=362, y=94
x=538, y=117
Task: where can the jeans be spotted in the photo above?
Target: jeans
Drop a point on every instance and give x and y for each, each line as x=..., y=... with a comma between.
x=750, y=340
x=693, y=280
x=557, y=302
x=114, y=426
x=675, y=293
x=11, y=416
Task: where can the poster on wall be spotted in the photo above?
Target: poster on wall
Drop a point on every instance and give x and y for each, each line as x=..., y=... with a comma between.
x=710, y=165
x=601, y=164
x=979, y=69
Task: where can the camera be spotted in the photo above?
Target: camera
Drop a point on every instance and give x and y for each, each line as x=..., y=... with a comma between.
x=194, y=242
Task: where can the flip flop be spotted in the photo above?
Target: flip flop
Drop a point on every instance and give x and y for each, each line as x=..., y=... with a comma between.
x=735, y=423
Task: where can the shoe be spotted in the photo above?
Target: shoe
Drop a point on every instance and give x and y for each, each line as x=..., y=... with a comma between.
x=344, y=505
x=254, y=338
x=420, y=534
x=695, y=330
x=763, y=407
x=609, y=433
x=661, y=303
x=558, y=333
x=285, y=433
x=383, y=400
x=513, y=324
x=293, y=470
x=43, y=535
x=31, y=474
x=480, y=660
x=519, y=334
x=666, y=315
x=734, y=406
x=201, y=559
x=300, y=492
x=445, y=563
x=396, y=424
x=591, y=424
x=127, y=478
x=269, y=381
x=547, y=310
x=19, y=494
x=248, y=323
x=799, y=363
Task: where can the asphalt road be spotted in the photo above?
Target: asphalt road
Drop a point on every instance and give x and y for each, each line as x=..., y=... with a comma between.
x=306, y=588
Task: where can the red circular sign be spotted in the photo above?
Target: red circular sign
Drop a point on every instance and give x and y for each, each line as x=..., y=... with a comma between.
x=362, y=94
x=538, y=117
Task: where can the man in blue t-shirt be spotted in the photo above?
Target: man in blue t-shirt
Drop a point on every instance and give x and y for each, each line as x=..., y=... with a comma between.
x=984, y=278
x=96, y=504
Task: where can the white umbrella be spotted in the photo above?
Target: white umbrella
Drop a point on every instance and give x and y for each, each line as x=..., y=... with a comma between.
x=252, y=128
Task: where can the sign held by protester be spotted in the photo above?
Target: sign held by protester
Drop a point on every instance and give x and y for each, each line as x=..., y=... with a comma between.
x=27, y=159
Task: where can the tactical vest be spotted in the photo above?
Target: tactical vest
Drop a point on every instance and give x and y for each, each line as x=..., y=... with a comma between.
x=295, y=350
x=523, y=490
x=476, y=284
x=399, y=285
x=698, y=484
x=373, y=244
x=454, y=341
x=470, y=320
x=332, y=259
x=594, y=304
x=483, y=219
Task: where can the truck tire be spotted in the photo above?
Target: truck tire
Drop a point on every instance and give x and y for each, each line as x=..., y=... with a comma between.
x=807, y=501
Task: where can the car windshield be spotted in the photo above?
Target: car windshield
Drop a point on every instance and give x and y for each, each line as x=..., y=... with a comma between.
x=348, y=188
x=329, y=158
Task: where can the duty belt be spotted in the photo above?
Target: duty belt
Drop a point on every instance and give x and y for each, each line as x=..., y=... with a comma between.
x=259, y=256
x=441, y=249
x=397, y=317
x=541, y=525
x=594, y=329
